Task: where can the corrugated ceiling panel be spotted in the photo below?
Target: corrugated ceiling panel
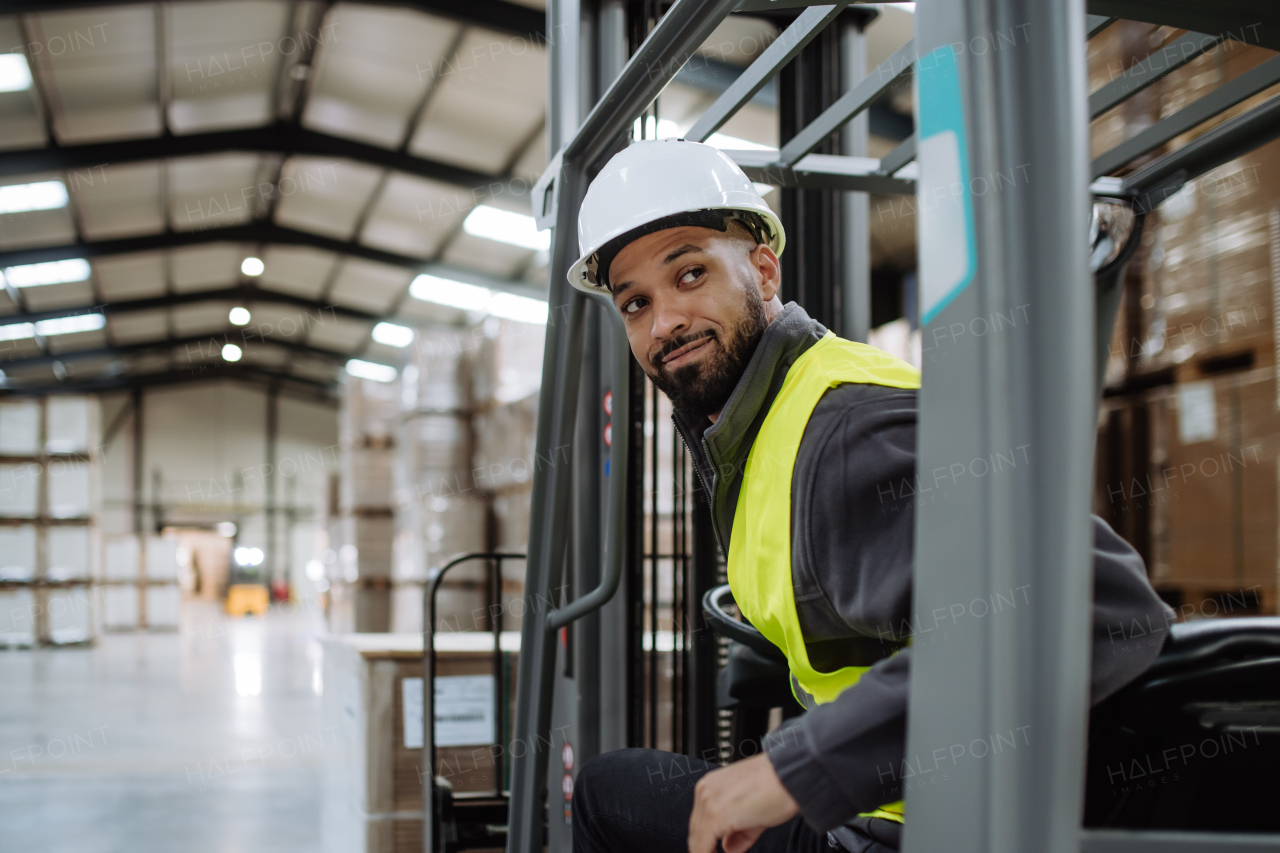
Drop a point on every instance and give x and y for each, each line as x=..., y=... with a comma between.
x=224, y=62
x=478, y=253
x=88, y=368
x=118, y=201
x=328, y=196
x=532, y=161
x=201, y=319
x=125, y=277
x=414, y=215
x=36, y=227
x=372, y=76
x=20, y=122
x=339, y=333
x=206, y=267
x=77, y=341
x=416, y=311
x=99, y=71
x=489, y=102
x=298, y=270
x=314, y=368
x=265, y=355
x=215, y=190
x=369, y=286
x=149, y=363
x=139, y=326
x=16, y=349
x=48, y=297
x=278, y=321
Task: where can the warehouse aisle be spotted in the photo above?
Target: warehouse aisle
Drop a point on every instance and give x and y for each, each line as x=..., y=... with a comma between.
x=205, y=740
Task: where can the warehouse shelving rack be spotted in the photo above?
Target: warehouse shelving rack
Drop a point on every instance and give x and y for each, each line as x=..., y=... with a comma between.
x=1037, y=386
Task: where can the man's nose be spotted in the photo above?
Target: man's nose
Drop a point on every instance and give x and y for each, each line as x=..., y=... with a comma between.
x=669, y=320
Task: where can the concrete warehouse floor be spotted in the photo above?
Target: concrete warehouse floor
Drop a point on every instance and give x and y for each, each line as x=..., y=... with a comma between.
x=204, y=741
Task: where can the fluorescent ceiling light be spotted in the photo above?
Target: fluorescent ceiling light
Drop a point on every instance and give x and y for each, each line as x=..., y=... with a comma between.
x=42, y=195
x=506, y=226
x=15, y=74
x=470, y=297
x=239, y=316
x=231, y=352
x=371, y=370
x=252, y=266
x=17, y=331
x=50, y=272
x=393, y=335
x=511, y=307
x=454, y=294
x=70, y=325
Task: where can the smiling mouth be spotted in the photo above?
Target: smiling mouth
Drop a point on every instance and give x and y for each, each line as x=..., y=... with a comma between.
x=687, y=349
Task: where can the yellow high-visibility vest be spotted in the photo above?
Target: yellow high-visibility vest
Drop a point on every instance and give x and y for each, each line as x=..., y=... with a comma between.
x=759, y=561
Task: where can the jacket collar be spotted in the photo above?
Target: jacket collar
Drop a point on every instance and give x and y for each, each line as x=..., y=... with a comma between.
x=720, y=450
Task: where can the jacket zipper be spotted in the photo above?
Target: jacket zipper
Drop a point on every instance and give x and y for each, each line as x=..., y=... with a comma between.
x=711, y=494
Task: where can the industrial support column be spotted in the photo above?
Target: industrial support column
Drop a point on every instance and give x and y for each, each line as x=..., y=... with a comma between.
x=1000, y=656
x=278, y=573
x=855, y=243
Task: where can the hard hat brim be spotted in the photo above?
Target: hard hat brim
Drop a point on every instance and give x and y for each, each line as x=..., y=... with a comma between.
x=579, y=274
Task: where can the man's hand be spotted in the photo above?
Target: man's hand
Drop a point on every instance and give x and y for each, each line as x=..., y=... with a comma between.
x=736, y=804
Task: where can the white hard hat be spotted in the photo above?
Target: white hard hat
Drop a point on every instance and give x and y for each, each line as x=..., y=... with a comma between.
x=659, y=184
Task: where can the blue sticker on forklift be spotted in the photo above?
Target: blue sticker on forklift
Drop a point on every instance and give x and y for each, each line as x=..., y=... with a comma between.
x=948, y=250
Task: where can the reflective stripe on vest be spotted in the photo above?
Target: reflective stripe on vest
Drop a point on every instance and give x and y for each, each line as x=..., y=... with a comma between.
x=760, y=547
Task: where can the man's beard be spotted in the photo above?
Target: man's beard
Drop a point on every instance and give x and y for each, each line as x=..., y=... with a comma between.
x=701, y=389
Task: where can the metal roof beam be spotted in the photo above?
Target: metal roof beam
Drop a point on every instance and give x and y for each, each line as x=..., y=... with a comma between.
x=256, y=232
x=240, y=295
x=298, y=387
x=280, y=138
x=205, y=347
x=265, y=233
x=498, y=15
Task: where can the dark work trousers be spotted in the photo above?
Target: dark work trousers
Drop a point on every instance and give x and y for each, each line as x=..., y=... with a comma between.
x=640, y=800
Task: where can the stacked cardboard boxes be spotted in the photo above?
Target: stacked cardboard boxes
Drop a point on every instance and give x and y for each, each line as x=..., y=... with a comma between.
x=363, y=533
x=1189, y=444
x=49, y=501
x=138, y=591
x=440, y=510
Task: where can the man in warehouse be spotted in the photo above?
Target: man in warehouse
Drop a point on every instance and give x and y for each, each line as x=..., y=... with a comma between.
x=784, y=421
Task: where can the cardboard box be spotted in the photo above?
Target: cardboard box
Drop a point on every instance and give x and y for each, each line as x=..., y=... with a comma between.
x=372, y=783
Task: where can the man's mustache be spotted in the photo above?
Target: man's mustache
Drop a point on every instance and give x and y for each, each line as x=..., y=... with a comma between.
x=674, y=344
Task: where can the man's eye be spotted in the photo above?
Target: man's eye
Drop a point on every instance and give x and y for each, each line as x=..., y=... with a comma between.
x=692, y=275
x=633, y=306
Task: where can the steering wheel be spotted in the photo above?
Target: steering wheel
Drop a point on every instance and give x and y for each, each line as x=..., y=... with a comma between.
x=739, y=630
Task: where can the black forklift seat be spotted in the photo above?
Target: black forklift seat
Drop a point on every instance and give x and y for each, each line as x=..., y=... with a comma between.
x=1192, y=743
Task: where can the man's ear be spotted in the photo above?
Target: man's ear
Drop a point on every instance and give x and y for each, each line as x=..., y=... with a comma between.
x=769, y=270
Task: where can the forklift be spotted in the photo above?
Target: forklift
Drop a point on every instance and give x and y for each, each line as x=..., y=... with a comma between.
x=600, y=670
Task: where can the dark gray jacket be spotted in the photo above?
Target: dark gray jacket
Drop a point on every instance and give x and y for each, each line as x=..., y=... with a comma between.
x=852, y=518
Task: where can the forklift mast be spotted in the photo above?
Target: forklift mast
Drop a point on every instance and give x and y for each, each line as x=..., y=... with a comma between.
x=620, y=656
